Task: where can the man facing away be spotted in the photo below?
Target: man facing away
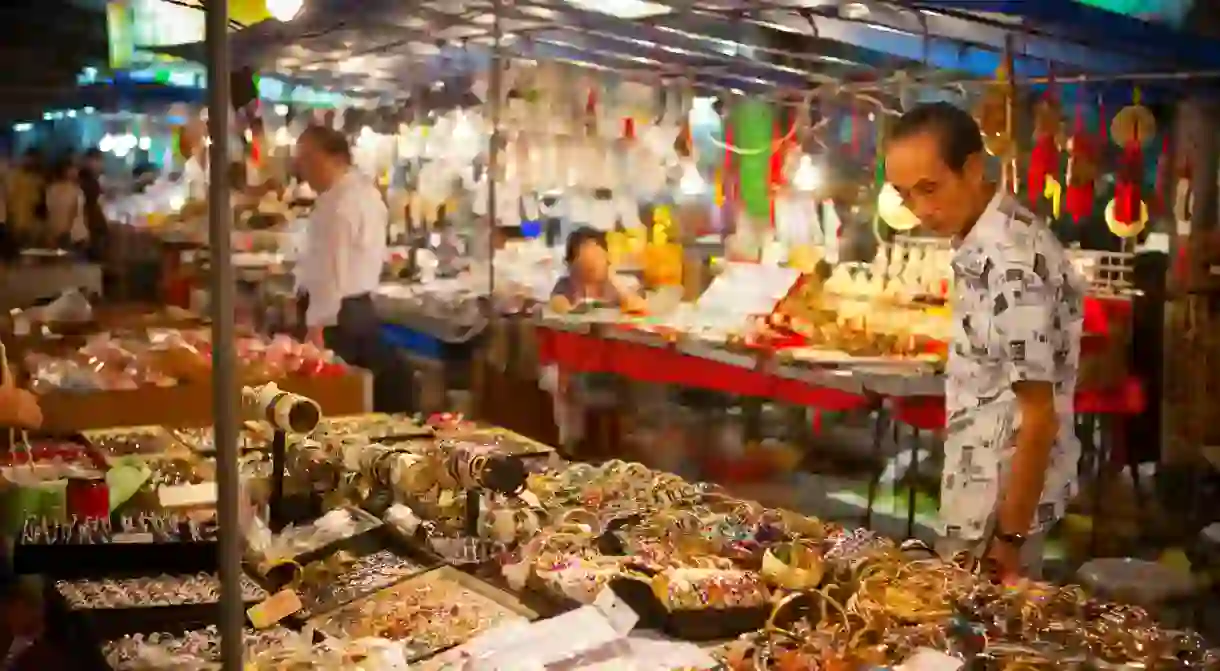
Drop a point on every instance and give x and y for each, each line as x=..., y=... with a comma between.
x=1010, y=449
x=341, y=267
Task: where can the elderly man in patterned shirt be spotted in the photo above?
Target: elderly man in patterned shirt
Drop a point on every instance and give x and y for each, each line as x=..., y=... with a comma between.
x=1010, y=449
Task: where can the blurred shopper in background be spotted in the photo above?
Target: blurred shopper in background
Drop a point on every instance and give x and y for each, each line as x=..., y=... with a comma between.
x=25, y=199
x=65, y=201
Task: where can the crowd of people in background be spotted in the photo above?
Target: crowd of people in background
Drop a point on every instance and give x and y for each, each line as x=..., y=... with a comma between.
x=53, y=205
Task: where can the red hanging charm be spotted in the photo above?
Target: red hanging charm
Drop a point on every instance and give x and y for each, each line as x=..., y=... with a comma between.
x=1127, y=185
x=776, y=167
x=1133, y=127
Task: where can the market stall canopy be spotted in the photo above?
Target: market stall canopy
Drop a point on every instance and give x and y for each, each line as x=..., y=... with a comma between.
x=1154, y=44
x=384, y=47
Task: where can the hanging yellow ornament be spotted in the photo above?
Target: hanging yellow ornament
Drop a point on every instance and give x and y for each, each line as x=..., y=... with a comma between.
x=1123, y=230
x=1053, y=191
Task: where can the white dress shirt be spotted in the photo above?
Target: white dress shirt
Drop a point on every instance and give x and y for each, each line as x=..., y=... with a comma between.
x=66, y=210
x=1018, y=316
x=345, y=247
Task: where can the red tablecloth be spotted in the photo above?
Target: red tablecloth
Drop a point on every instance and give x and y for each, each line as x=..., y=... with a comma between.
x=584, y=353
x=928, y=412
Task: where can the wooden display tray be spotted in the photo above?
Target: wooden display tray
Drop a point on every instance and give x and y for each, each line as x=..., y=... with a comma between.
x=67, y=336
x=190, y=405
x=326, y=625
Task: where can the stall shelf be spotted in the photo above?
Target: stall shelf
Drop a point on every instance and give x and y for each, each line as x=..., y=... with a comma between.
x=186, y=405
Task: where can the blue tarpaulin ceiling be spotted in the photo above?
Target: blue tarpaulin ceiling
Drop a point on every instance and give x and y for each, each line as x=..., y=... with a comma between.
x=385, y=48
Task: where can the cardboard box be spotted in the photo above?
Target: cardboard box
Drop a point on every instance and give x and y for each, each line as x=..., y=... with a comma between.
x=190, y=405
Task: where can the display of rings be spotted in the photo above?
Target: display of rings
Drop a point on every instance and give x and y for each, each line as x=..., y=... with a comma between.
x=150, y=591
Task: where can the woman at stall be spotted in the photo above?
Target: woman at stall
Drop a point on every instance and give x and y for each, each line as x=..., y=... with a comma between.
x=589, y=279
x=65, y=208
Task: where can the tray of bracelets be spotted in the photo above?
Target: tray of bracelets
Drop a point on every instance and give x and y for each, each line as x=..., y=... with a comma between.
x=197, y=648
x=252, y=436
x=375, y=427
x=357, y=568
x=126, y=604
x=427, y=614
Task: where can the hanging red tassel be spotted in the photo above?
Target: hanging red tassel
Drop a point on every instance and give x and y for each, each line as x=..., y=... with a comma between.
x=629, y=128
x=1083, y=155
x=1128, y=196
x=1129, y=178
x=776, y=179
x=1043, y=159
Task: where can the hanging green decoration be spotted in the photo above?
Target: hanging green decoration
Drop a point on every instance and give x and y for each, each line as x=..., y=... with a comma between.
x=752, y=136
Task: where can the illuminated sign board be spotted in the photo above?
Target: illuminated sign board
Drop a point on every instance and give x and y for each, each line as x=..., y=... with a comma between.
x=136, y=27
x=1172, y=12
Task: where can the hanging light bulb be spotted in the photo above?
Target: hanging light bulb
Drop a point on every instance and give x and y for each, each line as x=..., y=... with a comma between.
x=107, y=143
x=285, y=10
x=692, y=183
x=808, y=177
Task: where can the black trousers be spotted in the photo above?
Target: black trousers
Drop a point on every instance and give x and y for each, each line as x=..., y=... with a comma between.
x=357, y=339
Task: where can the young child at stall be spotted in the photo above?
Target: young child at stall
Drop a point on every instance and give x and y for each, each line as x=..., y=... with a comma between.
x=586, y=404
x=590, y=278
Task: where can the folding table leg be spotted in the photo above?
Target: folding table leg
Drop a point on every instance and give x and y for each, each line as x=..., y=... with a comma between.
x=912, y=479
x=875, y=479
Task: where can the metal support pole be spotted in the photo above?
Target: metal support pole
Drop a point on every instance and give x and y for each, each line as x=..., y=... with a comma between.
x=494, y=87
x=224, y=362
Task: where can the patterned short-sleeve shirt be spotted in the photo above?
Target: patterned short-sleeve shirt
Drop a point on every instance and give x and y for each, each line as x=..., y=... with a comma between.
x=1018, y=315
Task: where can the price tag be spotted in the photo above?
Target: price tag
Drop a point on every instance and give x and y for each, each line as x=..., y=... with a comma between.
x=275, y=608
x=133, y=537
x=620, y=616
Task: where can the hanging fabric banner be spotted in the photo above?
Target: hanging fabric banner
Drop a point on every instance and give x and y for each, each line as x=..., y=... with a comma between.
x=752, y=136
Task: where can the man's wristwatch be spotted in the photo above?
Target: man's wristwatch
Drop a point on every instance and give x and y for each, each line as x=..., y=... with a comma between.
x=1015, y=540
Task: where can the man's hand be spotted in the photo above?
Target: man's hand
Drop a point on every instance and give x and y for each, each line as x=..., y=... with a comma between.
x=633, y=304
x=1034, y=440
x=19, y=408
x=1005, y=559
